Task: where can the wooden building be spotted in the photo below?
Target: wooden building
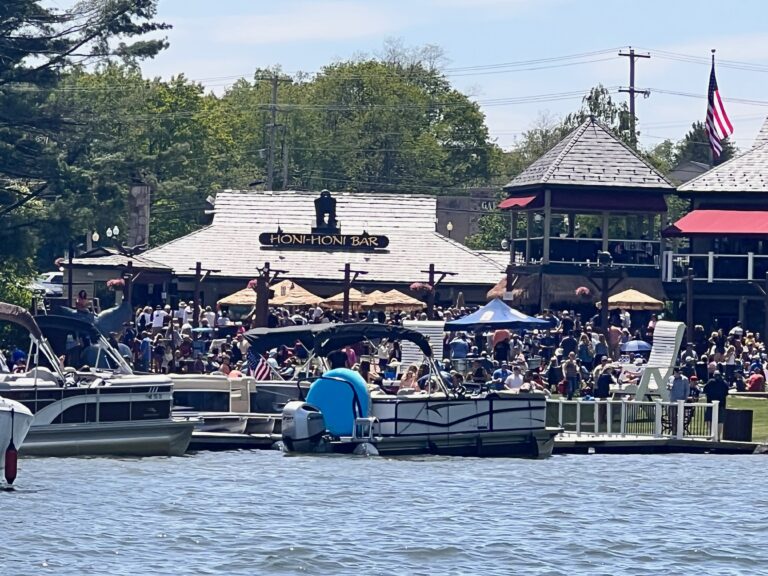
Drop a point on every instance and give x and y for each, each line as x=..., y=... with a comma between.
x=724, y=241
x=588, y=195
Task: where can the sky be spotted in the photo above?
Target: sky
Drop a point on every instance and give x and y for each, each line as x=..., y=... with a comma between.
x=218, y=42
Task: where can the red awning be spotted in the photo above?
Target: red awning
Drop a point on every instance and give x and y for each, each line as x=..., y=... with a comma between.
x=711, y=222
x=519, y=202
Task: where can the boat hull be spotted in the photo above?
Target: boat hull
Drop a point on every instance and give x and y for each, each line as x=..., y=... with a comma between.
x=148, y=438
x=20, y=422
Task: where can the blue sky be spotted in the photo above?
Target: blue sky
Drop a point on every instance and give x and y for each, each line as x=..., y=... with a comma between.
x=215, y=42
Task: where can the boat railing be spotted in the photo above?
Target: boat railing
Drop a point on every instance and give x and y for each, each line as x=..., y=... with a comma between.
x=626, y=417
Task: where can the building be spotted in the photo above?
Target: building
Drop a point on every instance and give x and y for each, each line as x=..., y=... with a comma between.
x=390, y=238
x=589, y=195
x=458, y=216
x=724, y=241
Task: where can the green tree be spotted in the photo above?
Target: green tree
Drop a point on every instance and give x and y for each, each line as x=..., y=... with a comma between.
x=695, y=146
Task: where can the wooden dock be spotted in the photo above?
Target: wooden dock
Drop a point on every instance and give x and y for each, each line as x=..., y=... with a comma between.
x=586, y=443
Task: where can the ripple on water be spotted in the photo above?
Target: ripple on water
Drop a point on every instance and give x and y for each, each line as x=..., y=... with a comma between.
x=260, y=512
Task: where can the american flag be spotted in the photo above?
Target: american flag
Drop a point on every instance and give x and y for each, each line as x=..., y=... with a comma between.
x=258, y=366
x=718, y=125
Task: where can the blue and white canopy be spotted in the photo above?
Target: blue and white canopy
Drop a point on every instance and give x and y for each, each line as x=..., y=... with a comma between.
x=496, y=314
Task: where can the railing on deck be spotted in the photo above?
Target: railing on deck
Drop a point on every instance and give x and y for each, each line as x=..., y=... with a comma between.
x=714, y=267
x=621, y=418
x=584, y=250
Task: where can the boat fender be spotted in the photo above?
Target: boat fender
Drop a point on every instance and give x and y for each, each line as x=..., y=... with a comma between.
x=11, y=458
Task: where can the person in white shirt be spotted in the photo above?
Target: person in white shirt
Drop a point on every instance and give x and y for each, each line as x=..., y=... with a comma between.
x=158, y=319
x=515, y=380
x=210, y=315
x=626, y=319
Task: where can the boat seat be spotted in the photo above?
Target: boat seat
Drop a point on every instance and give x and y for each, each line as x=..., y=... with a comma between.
x=42, y=373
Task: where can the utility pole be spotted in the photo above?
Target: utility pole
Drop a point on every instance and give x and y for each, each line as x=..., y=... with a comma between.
x=272, y=130
x=349, y=277
x=689, y=305
x=632, y=55
x=199, y=277
x=285, y=160
x=434, y=284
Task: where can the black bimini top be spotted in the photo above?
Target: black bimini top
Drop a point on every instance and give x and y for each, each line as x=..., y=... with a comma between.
x=52, y=324
x=18, y=315
x=265, y=339
x=340, y=335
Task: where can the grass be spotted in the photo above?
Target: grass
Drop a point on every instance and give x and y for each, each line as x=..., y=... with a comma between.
x=759, y=407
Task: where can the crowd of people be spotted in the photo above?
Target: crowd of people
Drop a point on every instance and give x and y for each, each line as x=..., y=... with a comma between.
x=572, y=357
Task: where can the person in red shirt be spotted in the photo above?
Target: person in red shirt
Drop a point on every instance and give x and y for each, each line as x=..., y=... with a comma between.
x=756, y=382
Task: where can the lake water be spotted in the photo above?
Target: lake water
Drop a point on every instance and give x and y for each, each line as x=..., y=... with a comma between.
x=264, y=513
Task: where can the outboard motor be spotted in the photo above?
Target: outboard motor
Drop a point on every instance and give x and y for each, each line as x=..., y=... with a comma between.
x=303, y=427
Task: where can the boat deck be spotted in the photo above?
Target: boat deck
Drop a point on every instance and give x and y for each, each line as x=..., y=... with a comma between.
x=586, y=443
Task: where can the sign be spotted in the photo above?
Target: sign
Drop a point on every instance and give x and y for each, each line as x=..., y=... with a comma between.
x=362, y=241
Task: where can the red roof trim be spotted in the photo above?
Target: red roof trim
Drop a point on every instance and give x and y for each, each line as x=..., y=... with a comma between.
x=519, y=202
x=718, y=222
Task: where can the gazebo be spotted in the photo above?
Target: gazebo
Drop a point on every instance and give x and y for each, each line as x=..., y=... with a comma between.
x=589, y=195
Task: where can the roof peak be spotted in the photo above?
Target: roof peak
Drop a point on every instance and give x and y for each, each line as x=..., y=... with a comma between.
x=591, y=155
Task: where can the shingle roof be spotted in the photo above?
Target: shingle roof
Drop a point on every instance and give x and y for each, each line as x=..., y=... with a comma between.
x=110, y=258
x=590, y=156
x=231, y=243
x=747, y=172
x=762, y=136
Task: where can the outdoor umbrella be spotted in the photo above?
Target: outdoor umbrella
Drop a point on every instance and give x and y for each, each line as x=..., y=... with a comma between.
x=496, y=314
x=633, y=300
x=244, y=297
x=636, y=346
x=374, y=299
x=288, y=293
x=396, y=300
x=356, y=298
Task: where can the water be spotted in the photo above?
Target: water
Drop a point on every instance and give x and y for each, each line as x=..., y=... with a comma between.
x=237, y=513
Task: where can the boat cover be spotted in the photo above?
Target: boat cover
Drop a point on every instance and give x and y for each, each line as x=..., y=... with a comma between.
x=340, y=335
x=20, y=316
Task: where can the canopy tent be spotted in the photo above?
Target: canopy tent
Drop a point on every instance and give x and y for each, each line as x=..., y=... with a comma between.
x=632, y=299
x=356, y=299
x=496, y=314
x=288, y=293
x=244, y=297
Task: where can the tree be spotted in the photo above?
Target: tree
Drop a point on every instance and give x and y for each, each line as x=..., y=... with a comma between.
x=38, y=46
x=599, y=104
x=695, y=146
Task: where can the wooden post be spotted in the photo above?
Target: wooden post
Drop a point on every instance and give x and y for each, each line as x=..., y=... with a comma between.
x=512, y=236
x=605, y=232
x=347, y=286
x=431, y=294
x=604, y=303
x=262, y=296
x=527, y=236
x=196, y=308
x=689, y=306
x=128, y=289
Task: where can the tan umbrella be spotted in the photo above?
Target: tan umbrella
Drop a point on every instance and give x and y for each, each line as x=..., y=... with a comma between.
x=288, y=293
x=373, y=299
x=633, y=300
x=356, y=299
x=396, y=300
x=244, y=297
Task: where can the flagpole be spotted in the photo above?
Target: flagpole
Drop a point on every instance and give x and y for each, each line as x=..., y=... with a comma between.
x=711, y=153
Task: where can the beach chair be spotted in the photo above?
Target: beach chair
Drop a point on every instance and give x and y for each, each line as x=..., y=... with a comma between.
x=667, y=339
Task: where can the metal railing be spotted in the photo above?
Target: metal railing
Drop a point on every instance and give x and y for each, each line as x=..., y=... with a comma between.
x=621, y=418
x=713, y=267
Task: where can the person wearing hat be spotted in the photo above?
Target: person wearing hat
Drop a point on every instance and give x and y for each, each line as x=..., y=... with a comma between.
x=716, y=389
x=499, y=376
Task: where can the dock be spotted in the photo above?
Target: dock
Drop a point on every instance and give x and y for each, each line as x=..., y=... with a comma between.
x=587, y=443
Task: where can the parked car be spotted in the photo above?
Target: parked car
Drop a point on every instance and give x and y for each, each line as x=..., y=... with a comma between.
x=49, y=283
